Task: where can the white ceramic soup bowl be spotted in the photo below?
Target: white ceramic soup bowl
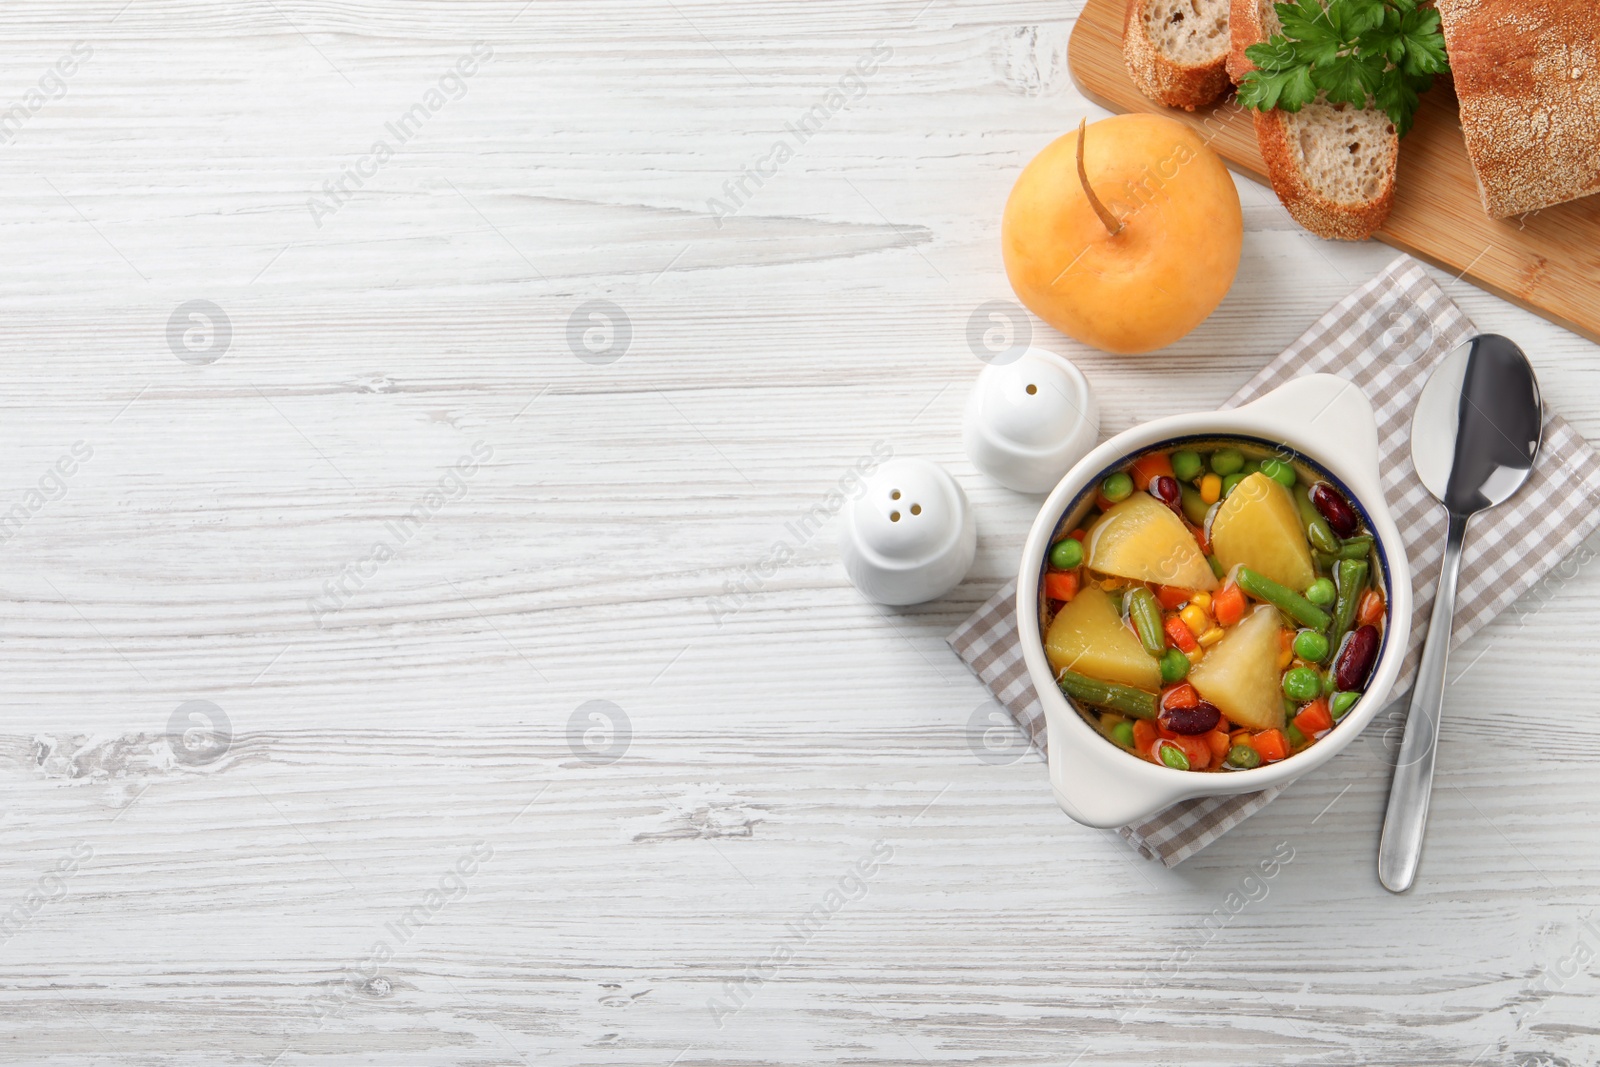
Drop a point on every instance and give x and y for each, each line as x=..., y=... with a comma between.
x=1329, y=424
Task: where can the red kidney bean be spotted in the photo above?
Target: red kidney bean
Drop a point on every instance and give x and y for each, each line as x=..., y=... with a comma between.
x=1331, y=505
x=1165, y=489
x=1354, y=662
x=1197, y=718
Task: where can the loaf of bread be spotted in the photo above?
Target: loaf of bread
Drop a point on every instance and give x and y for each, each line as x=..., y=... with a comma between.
x=1527, y=73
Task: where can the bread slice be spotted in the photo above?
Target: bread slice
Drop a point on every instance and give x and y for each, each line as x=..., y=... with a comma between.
x=1527, y=73
x=1332, y=165
x=1177, y=50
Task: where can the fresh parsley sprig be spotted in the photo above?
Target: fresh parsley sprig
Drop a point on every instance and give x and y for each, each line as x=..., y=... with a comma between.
x=1369, y=53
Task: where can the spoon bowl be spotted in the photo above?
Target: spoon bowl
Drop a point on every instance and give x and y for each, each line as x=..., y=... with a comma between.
x=1474, y=439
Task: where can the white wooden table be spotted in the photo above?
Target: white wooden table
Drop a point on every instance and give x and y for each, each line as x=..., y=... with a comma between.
x=403, y=854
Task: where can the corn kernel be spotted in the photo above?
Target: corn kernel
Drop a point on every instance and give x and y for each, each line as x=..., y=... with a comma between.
x=1285, y=657
x=1197, y=655
x=1210, y=637
x=1195, y=619
x=1211, y=488
x=1202, y=601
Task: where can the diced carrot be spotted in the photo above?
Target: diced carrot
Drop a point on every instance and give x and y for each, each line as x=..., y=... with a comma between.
x=1370, y=610
x=1147, y=468
x=1179, y=695
x=1228, y=604
x=1102, y=503
x=1061, y=585
x=1201, y=539
x=1144, y=735
x=1218, y=740
x=1195, y=748
x=1314, y=718
x=1171, y=598
x=1272, y=745
x=1079, y=534
x=1181, y=636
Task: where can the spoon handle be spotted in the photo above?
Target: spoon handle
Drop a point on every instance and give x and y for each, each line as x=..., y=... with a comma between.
x=1407, y=815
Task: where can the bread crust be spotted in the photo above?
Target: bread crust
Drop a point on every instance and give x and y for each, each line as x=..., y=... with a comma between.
x=1311, y=209
x=1174, y=84
x=1244, y=30
x=1527, y=74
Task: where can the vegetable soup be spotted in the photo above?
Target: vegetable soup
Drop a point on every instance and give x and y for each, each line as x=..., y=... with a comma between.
x=1214, y=606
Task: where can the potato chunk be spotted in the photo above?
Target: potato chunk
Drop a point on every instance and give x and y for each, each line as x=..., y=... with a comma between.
x=1259, y=526
x=1240, y=673
x=1089, y=637
x=1142, y=539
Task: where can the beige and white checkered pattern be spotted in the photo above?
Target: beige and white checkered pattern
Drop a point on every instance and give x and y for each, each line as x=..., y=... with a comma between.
x=1385, y=337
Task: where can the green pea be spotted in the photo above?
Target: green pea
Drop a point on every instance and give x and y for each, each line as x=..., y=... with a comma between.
x=1117, y=487
x=1341, y=704
x=1230, y=483
x=1194, y=506
x=1302, y=684
x=1186, y=465
x=1250, y=467
x=1227, y=461
x=1310, y=646
x=1321, y=592
x=1216, y=566
x=1173, y=757
x=1243, y=756
x=1296, y=738
x=1174, y=666
x=1279, y=471
x=1066, y=554
x=1122, y=733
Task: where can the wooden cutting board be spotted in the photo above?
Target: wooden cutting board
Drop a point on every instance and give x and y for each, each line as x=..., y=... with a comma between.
x=1547, y=262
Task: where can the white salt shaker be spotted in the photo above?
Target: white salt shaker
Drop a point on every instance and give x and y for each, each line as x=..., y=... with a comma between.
x=1029, y=421
x=910, y=536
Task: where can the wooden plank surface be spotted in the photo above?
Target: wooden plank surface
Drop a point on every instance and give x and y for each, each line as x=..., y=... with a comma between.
x=1547, y=261
x=182, y=913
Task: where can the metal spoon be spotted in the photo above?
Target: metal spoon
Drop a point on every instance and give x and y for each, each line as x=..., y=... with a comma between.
x=1473, y=441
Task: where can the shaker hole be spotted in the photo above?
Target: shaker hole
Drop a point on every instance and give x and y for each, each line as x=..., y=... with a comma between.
x=916, y=509
x=894, y=494
x=894, y=516
x=1032, y=389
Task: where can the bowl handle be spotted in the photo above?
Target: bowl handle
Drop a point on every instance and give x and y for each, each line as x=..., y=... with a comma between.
x=1329, y=414
x=1091, y=789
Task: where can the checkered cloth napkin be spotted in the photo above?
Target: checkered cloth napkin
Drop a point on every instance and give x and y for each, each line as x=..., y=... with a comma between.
x=1386, y=337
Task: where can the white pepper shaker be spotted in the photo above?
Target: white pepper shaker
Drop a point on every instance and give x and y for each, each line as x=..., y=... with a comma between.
x=1027, y=422
x=910, y=536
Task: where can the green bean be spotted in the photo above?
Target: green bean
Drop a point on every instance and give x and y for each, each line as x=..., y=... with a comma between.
x=1194, y=506
x=1146, y=616
x=1296, y=738
x=1322, y=537
x=1358, y=547
x=1350, y=576
x=1317, y=530
x=1123, y=698
x=1282, y=597
x=1173, y=756
x=1216, y=566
